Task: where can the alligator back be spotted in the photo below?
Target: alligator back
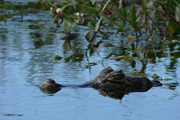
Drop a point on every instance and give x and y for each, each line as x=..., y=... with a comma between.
x=138, y=81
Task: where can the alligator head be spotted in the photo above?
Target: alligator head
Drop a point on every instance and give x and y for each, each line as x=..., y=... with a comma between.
x=49, y=86
x=108, y=78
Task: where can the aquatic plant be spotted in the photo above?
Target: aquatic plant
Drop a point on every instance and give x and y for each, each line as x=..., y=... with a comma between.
x=162, y=16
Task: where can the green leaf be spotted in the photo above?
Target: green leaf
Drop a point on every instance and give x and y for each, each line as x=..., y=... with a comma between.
x=177, y=14
x=104, y=15
x=91, y=8
x=73, y=25
x=151, y=15
x=69, y=4
x=133, y=17
x=49, y=2
x=105, y=5
x=92, y=21
x=172, y=26
x=67, y=17
x=177, y=4
x=150, y=3
x=144, y=4
x=122, y=13
x=120, y=4
x=141, y=19
x=97, y=24
x=66, y=25
x=131, y=37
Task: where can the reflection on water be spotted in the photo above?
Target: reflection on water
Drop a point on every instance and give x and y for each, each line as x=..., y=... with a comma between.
x=116, y=93
x=27, y=51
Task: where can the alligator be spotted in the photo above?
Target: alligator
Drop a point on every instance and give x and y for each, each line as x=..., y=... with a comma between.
x=107, y=81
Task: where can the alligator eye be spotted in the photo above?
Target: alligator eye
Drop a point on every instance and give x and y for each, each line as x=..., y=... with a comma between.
x=116, y=77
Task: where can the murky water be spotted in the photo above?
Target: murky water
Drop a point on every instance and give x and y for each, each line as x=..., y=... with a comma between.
x=27, y=50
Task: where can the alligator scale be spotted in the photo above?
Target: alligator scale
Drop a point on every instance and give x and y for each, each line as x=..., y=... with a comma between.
x=108, y=80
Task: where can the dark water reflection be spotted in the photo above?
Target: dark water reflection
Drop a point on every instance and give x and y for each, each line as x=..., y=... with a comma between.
x=27, y=50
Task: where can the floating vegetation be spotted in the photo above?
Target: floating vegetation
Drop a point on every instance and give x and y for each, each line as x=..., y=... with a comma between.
x=10, y=114
x=164, y=79
x=57, y=57
x=127, y=58
x=138, y=74
x=155, y=76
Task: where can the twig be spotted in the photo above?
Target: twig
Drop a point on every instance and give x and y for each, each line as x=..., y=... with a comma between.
x=156, y=25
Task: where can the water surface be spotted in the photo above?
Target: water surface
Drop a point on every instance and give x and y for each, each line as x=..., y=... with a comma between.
x=27, y=50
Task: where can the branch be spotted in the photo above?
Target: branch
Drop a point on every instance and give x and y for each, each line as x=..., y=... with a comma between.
x=156, y=25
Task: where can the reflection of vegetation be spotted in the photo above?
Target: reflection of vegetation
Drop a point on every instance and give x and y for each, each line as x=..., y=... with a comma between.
x=77, y=57
x=18, y=9
x=173, y=86
x=80, y=54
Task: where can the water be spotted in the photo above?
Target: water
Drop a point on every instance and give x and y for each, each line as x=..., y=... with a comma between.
x=27, y=51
